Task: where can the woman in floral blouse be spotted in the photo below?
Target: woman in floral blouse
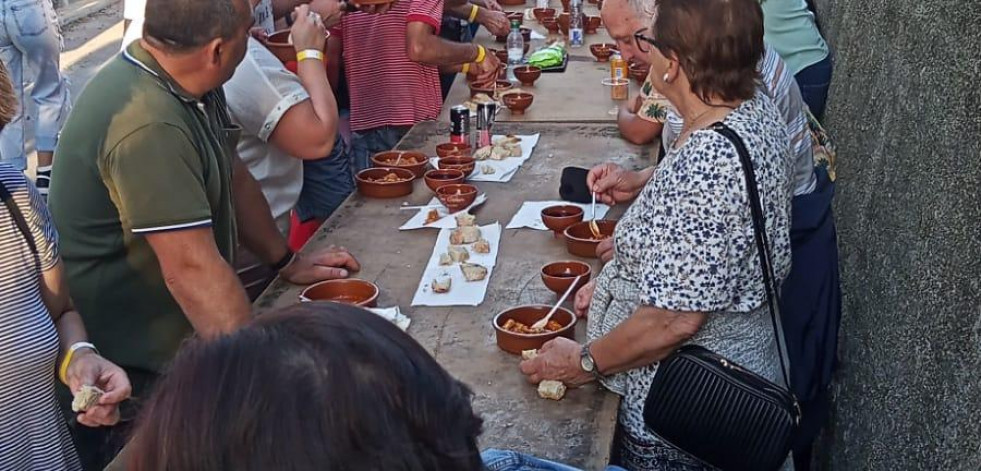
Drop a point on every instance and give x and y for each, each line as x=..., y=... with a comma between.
x=685, y=268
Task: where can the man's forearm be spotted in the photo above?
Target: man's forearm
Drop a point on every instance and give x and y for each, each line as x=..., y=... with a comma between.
x=461, y=11
x=256, y=228
x=635, y=129
x=425, y=47
x=211, y=296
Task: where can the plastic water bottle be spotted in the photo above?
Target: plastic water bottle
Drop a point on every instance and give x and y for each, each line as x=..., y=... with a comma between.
x=541, y=4
x=575, y=23
x=516, y=49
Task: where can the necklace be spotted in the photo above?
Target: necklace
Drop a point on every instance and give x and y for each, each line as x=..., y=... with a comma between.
x=689, y=125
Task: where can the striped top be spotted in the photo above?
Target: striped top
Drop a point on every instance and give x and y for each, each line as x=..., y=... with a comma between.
x=386, y=88
x=33, y=433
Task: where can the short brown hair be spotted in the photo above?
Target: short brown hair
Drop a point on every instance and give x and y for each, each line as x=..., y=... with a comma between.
x=8, y=99
x=718, y=43
x=182, y=25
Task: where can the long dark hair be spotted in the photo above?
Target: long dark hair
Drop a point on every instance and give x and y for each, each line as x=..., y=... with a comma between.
x=316, y=386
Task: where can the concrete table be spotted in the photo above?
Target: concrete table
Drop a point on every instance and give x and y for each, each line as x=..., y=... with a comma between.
x=577, y=430
x=576, y=95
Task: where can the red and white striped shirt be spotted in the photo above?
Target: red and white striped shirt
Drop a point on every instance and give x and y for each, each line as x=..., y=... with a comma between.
x=386, y=88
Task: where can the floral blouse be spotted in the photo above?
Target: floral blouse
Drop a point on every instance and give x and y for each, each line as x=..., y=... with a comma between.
x=686, y=244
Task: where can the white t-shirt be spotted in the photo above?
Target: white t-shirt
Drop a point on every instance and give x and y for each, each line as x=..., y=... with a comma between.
x=259, y=94
x=135, y=10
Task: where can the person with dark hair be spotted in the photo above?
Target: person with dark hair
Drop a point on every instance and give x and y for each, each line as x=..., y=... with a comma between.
x=150, y=199
x=41, y=333
x=685, y=268
x=315, y=386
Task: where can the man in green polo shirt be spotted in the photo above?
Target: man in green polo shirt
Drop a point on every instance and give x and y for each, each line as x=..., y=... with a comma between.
x=150, y=198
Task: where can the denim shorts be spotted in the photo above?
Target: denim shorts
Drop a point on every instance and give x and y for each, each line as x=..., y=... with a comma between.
x=326, y=184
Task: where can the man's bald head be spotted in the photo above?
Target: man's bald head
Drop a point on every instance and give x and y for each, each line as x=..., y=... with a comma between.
x=183, y=25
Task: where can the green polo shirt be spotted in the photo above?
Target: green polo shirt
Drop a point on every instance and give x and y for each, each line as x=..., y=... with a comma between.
x=138, y=155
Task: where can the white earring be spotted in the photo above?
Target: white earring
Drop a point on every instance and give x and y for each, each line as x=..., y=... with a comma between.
x=665, y=78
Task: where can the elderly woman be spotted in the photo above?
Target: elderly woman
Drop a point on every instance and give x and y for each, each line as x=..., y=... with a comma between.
x=686, y=268
x=41, y=336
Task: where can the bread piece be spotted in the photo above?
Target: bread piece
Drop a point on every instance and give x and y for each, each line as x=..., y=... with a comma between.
x=432, y=216
x=458, y=254
x=529, y=354
x=514, y=150
x=553, y=390
x=487, y=170
x=445, y=259
x=465, y=235
x=481, y=246
x=465, y=220
x=442, y=283
x=86, y=398
x=500, y=153
x=483, y=153
x=473, y=271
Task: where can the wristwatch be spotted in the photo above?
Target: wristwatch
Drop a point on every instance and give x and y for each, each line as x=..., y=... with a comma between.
x=587, y=363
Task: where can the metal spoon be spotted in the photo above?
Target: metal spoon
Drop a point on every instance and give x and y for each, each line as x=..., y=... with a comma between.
x=593, y=227
x=540, y=325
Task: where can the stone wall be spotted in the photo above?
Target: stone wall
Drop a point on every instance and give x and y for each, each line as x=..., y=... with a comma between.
x=905, y=109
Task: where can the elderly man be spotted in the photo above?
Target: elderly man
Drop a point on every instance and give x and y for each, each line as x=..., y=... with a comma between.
x=393, y=63
x=150, y=198
x=811, y=301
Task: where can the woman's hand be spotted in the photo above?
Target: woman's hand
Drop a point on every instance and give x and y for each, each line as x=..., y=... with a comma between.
x=329, y=10
x=557, y=360
x=613, y=184
x=604, y=250
x=87, y=368
x=308, y=31
x=584, y=297
x=328, y=264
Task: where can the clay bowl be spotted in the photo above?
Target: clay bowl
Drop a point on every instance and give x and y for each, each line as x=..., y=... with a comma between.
x=279, y=44
x=435, y=179
x=348, y=291
x=579, y=240
x=638, y=72
x=374, y=189
x=515, y=343
x=518, y=102
x=552, y=25
x=525, y=33
x=463, y=164
x=557, y=218
x=563, y=20
x=502, y=86
x=558, y=276
x=417, y=161
x=542, y=13
x=602, y=52
x=527, y=74
x=502, y=55
x=456, y=196
x=516, y=15
x=592, y=24
x=453, y=149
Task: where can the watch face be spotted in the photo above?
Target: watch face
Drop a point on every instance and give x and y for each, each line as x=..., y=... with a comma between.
x=587, y=363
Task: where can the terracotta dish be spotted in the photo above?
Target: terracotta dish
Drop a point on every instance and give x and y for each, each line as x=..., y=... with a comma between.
x=438, y=178
x=551, y=25
x=602, y=52
x=557, y=218
x=592, y=24
x=542, y=13
x=515, y=343
x=501, y=54
x=452, y=149
x=580, y=241
x=518, y=102
x=516, y=15
x=416, y=162
x=502, y=86
x=280, y=45
x=638, y=72
x=527, y=74
x=463, y=164
x=348, y=291
x=563, y=20
x=558, y=276
x=371, y=182
x=457, y=196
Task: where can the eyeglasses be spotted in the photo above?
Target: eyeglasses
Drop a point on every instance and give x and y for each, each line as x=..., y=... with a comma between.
x=640, y=37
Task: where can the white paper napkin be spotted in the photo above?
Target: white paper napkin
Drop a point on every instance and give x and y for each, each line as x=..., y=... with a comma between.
x=530, y=213
x=505, y=169
x=462, y=292
x=448, y=221
x=393, y=314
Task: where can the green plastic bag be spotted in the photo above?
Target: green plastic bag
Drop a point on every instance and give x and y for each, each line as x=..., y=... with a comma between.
x=550, y=56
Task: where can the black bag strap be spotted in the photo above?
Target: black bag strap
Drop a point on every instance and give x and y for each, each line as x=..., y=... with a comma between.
x=18, y=217
x=762, y=245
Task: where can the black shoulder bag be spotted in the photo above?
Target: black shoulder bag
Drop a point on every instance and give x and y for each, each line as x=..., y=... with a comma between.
x=18, y=217
x=715, y=410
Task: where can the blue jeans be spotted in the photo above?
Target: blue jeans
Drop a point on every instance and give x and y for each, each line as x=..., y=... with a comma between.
x=326, y=184
x=502, y=460
x=364, y=144
x=814, y=82
x=29, y=38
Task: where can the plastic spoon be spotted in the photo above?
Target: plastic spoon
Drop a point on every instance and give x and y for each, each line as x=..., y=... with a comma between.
x=540, y=325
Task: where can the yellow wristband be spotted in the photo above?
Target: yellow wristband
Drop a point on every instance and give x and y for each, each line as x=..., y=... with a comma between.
x=473, y=13
x=466, y=68
x=63, y=370
x=481, y=54
x=309, y=54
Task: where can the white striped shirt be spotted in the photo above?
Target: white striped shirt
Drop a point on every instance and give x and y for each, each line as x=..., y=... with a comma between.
x=33, y=432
